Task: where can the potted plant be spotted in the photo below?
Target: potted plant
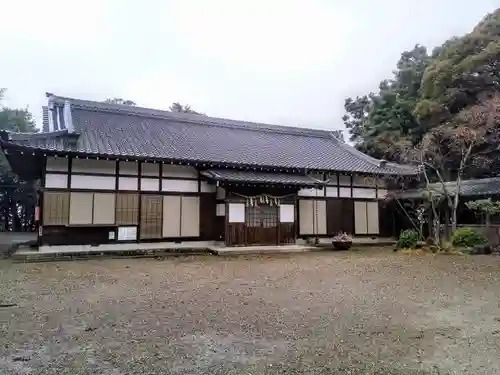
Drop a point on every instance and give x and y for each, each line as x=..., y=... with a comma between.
x=342, y=241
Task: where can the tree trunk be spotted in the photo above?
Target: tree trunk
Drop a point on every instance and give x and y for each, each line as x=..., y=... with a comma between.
x=456, y=200
x=447, y=223
x=15, y=216
x=429, y=223
x=453, y=220
x=436, y=230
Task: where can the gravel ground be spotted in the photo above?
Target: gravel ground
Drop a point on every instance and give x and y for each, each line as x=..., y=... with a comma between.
x=315, y=313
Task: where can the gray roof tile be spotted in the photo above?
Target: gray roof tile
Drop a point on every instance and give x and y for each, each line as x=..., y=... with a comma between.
x=259, y=178
x=45, y=119
x=479, y=187
x=108, y=129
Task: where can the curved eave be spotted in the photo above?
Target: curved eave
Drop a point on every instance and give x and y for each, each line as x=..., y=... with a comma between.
x=232, y=177
x=402, y=170
x=225, y=182
x=27, y=166
x=14, y=136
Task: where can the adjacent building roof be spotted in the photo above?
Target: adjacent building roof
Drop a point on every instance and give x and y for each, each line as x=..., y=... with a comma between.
x=96, y=128
x=228, y=175
x=468, y=188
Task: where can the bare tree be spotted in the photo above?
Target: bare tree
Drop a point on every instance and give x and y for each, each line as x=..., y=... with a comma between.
x=439, y=151
x=183, y=108
x=444, y=155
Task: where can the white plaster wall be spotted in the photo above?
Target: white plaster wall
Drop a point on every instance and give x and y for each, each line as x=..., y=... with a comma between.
x=206, y=187
x=93, y=166
x=331, y=191
x=57, y=164
x=129, y=167
x=236, y=212
x=344, y=180
x=150, y=184
x=344, y=192
x=364, y=193
x=92, y=182
x=56, y=180
x=128, y=183
x=312, y=192
x=178, y=171
x=220, y=209
x=180, y=185
x=150, y=169
x=287, y=213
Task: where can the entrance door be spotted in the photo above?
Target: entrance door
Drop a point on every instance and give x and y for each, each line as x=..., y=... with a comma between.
x=262, y=224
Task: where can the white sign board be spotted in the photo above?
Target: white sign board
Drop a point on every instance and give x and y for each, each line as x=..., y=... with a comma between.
x=236, y=212
x=127, y=233
x=287, y=213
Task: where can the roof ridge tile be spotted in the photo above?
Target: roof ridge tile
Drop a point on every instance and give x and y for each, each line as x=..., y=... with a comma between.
x=191, y=118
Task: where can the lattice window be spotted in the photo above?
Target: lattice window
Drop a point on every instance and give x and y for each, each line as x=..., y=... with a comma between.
x=252, y=217
x=127, y=209
x=261, y=216
x=269, y=217
x=151, y=216
x=55, y=208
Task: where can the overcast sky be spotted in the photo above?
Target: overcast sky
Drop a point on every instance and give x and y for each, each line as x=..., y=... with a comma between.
x=277, y=61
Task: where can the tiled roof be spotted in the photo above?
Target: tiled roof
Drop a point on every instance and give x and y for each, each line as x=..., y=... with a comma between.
x=259, y=178
x=45, y=118
x=480, y=187
x=118, y=130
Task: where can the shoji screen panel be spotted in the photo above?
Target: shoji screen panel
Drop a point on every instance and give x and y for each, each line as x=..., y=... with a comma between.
x=104, y=208
x=372, y=217
x=320, y=217
x=360, y=222
x=190, y=216
x=306, y=216
x=81, y=208
x=171, y=226
x=366, y=219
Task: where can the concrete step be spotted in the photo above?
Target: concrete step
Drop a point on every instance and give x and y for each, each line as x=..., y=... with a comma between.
x=38, y=256
x=247, y=250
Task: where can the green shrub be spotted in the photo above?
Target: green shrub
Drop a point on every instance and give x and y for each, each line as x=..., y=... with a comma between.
x=408, y=239
x=468, y=237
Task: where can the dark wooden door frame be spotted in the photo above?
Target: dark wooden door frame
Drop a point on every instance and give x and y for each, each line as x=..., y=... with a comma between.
x=264, y=214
